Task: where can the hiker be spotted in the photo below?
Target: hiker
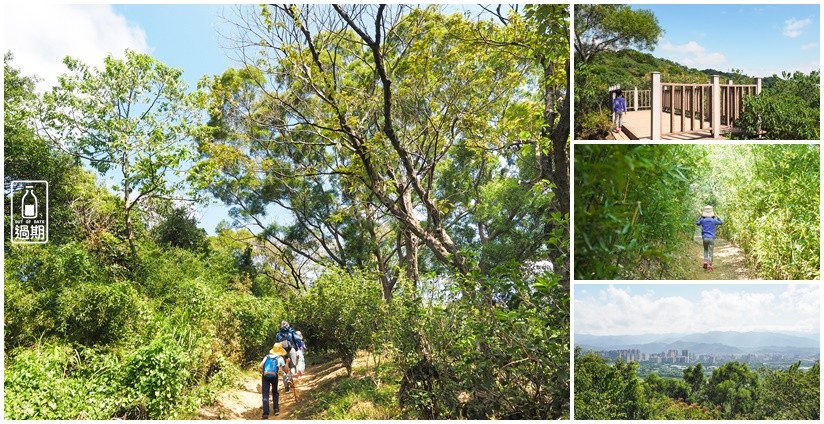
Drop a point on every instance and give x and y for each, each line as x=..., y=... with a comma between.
x=287, y=334
x=708, y=222
x=619, y=107
x=269, y=367
x=300, y=366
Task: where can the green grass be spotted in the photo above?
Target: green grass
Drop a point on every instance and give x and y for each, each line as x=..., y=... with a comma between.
x=359, y=397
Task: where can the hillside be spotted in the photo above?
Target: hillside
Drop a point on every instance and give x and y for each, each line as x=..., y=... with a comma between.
x=631, y=68
x=717, y=342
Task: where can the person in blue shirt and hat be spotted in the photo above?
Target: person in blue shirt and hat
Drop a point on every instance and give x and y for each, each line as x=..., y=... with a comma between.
x=708, y=222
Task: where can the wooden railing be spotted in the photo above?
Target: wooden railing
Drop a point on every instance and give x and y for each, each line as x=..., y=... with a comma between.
x=690, y=103
x=732, y=101
x=638, y=99
x=697, y=106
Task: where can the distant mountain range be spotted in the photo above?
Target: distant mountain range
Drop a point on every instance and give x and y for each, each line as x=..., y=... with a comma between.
x=713, y=342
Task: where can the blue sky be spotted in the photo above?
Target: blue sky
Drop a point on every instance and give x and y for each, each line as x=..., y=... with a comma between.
x=183, y=36
x=760, y=39
x=621, y=309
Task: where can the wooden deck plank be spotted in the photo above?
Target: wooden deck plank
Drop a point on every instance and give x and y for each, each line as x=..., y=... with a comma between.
x=638, y=124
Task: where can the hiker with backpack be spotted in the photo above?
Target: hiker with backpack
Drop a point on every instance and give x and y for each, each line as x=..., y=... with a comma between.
x=619, y=107
x=269, y=367
x=708, y=222
x=286, y=336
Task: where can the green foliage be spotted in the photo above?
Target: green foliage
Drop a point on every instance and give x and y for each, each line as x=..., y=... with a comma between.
x=342, y=312
x=131, y=316
x=788, y=110
x=94, y=313
x=771, y=199
x=595, y=126
x=633, y=207
x=26, y=156
x=733, y=387
x=600, y=27
x=157, y=374
x=636, y=205
x=54, y=381
x=505, y=358
x=789, y=395
x=93, y=112
x=603, y=391
x=179, y=229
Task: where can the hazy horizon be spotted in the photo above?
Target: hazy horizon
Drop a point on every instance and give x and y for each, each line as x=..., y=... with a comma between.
x=649, y=309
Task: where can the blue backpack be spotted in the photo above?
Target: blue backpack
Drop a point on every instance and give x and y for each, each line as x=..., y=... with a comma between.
x=270, y=366
x=288, y=335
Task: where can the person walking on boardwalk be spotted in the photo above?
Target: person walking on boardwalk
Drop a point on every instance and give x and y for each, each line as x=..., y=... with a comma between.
x=269, y=367
x=619, y=107
x=708, y=222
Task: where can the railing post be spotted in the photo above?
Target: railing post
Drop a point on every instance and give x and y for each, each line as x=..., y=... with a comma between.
x=635, y=98
x=716, y=107
x=758, y=86
x=655, y=106
x=612, y=89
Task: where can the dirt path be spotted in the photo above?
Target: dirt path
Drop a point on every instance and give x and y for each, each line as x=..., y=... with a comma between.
x=729, y=262
x=245, y=401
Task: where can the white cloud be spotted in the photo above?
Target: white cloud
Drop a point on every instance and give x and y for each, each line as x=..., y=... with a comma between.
x=40, y=36
x=809, y=46
x=792, y=27
x=616, y=311
x=692, y=54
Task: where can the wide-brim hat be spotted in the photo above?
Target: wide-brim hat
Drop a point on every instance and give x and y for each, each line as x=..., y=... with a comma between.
x=277, y=349
x=708, y=212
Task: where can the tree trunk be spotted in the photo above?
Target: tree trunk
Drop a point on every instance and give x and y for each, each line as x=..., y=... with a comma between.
x=554, y=166
x=127, y=191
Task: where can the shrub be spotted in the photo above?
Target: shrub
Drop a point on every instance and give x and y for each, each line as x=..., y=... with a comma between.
x=93, y=313
x=156, y=374
x=595, y=126
x=344, y=312
x=56, y=382
x=499, y=355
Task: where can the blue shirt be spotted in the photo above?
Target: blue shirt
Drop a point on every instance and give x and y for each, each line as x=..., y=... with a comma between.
x=619, y=105
x=708, y=226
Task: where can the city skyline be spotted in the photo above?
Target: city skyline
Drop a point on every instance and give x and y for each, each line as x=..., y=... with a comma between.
x=640, y=309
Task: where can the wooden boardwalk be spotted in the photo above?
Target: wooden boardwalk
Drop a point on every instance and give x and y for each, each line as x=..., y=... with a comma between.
x=637, y=126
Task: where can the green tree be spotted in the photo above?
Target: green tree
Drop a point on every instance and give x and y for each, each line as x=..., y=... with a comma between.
x=792, y=394
x=607, y=392
x=733, y=387
x=694, y=377
x=342, y=312
x=26, y=156
x=787, y=110
x=131, y=116
x=179, y=229
x=393, y=142
x=600, y=27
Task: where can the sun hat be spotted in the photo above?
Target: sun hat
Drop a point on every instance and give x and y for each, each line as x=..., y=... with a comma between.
x=277, y=349
x=708, y=212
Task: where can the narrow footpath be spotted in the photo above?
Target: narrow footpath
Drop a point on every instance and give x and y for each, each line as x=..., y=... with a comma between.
x=729, y=261
x=244, y=401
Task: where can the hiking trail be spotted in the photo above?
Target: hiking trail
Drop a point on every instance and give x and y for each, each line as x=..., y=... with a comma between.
x=729, y=261
x=243, y=400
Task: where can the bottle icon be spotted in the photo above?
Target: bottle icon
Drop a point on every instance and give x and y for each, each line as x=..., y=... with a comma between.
x=29, y=203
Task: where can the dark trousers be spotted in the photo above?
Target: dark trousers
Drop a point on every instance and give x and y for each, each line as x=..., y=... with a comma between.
x=265, y=383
